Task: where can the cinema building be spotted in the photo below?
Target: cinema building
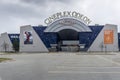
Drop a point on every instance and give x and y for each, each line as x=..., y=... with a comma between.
x=69, y=32
x=7, y=42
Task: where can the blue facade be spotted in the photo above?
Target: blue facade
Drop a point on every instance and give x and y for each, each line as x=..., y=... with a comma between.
x=88, y=38
x=119, y=41
x=14, y=37
x=47, y=38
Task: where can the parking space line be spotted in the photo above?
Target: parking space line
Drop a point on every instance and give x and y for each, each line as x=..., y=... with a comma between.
x=68, y=67
x=0, y=78
x=108, y=60
x=82, y=72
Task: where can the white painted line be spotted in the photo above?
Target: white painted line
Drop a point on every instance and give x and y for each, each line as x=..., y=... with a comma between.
x=108, y=60
x=68, y=67
x=0, y=78
x=79, y=72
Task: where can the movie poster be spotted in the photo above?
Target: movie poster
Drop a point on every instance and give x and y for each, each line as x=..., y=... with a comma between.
x=108, y=36
x=28, y=38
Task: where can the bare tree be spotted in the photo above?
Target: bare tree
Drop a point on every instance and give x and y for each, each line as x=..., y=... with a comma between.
x=15, y=45
x=5, y=46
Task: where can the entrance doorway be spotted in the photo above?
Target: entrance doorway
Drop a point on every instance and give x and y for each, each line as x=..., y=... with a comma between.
x=68, y=40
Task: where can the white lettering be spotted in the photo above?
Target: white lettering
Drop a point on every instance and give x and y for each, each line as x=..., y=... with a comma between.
x=73, y=14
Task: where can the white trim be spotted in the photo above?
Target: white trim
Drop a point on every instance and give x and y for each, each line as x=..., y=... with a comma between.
x=74, y=25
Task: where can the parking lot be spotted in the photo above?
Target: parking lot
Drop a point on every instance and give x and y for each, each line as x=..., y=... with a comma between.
x=61, y=66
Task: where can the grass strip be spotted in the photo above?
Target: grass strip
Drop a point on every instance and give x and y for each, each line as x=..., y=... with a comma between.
x=4, y=59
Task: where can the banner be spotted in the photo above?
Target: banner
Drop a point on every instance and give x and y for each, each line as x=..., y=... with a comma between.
x=108, y=36
x=28, y=39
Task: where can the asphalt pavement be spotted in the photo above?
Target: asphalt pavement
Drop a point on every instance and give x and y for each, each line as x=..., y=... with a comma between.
x=61, y=66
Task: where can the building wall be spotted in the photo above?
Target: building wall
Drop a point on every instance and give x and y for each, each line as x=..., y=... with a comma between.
x=37, y=46
x=41, y=39
x=47, y=38
x=119, y=40
x=98, y=44
x=5, y=42
x=87, y=38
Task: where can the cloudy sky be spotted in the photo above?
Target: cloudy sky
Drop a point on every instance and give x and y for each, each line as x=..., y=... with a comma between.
x=15, y=13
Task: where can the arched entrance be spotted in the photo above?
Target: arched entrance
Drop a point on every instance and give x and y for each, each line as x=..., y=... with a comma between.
x=68, y=40
x=67, y=30
x=68, y=34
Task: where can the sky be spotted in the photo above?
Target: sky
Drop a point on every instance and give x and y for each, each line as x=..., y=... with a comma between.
x=16, y=13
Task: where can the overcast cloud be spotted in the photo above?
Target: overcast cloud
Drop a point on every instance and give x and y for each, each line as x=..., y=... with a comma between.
x=16, y=13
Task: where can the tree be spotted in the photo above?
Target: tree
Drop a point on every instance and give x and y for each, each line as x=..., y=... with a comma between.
x=5, y=46
x=16, y=45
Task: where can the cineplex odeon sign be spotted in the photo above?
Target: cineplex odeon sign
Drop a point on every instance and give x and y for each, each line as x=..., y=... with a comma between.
x=66, y=14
